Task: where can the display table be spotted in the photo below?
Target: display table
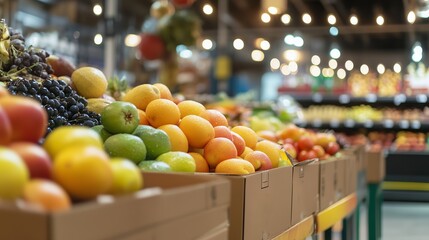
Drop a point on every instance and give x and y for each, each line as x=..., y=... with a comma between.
x=299, y=231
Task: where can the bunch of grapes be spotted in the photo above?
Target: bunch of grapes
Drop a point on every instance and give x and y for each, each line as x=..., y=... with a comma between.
x=27, y=60
x=63, y=105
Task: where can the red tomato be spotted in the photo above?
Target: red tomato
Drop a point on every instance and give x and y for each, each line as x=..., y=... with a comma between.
x=305, y=143
x=332, y=148
x=311, y=154
x=302, y=156
x=320, y=152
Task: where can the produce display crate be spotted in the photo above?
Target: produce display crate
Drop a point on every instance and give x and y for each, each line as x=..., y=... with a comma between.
x=350, y=173
x=172, y=206
x=376, y=166
x=261, y=204
x=332, y=181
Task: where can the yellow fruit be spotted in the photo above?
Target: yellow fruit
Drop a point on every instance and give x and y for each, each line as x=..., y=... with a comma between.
x=97, y=104
x=272, y=149
x=84, y=172
x=143, y=119
x=197, y=130
x=127, y=177
x=178, y=140
x=190, y=107
x=164, y=91
x=246, y=151
x=47, y=194
x=249, y=136
x=89, y=82
x=178, y=161
x=200, y=162
x=71, y=136
x=13, y=174
x=235, y=166
x=142, y=95
x=215, y=117
x=162, y=111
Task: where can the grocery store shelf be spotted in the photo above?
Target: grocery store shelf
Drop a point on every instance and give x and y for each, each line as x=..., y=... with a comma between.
x=301, y=230
x=369, y=124
x=405, y=186
x=335, y=213
x=348, y=100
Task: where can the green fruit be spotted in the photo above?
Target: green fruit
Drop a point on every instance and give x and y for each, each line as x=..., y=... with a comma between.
x=127, y=177
x=154, y=166
x=104, y=134
x=178, y=161
x=120, y=117
x=126, y=146
x=13, y=174
x=156, y=141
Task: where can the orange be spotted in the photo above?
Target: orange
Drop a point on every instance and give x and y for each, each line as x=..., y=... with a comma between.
x=89, y=82
x=47, y=194
x=190, y=107
x=84, y=172
x=142, y=117
x=249, y=136
x=178, y=140
x=197, y=130
x=200, y=162
x=164, y=91
x=162, y=111
x=215, y=117
x=142, y=95
x=235, y=166
x=272, y=149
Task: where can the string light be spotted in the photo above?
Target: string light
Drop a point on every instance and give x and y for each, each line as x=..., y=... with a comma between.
x=275, y=64
x=364, y=69
x=207, y=9
x=380, y=68
x=411, y=17
x=207, y=44
x=273, y=10
x=315, y=71
x=306, y=18
x=98, y=39
x=315, y=60
x=257, y=55
x=286, y=19
x=354, y=20
x=380, y=20
x=265, y=17
x=97, y=9
x=397, y=68
x=238, y=44
x=332, y=19
x=341, y=73
x=333, y=64
x=265, y=45
x=349, y=65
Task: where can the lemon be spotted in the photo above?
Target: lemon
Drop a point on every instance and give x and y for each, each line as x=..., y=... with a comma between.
x=89, y=82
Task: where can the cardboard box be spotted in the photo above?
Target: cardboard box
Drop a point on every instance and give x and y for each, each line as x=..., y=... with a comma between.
x=376, y=167
x=192, y=203
x=331, y=182
x=350, y=173
x=305, y=191
x=359, y=152
x=261, y=204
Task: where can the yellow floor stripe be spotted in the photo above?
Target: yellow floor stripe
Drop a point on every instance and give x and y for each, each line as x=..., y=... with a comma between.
x=406, y=186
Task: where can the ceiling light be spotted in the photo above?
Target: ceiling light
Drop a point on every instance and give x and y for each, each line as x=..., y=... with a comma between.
x=341, y=73
x=132, y=40
x=265, y=17
x=185, y=53
x=411, y=17
x=380, y=20
x=257, y=55
x=298, y=41
x=380, y=68
x=417, y=57
x=207, y=9
x=333, y=64
x=238, y=44
x=293, y=66
x=354, y=20
x=335, y=53
x=258, y=42
x=275, y=64
x=98, y=39
x=397, y=68
x=417, y=48
x=306, y=18
x=364, y=69
x=207, y=44
x=291, y=55
x=285, y=18
x=289, y=39
x=333, y=31
x=273, y=10
x=97, y=9
x=315, y=71
x=349, y=65
x=265, y=45
x=285, y=69
x=315, y=60
x=332, y=19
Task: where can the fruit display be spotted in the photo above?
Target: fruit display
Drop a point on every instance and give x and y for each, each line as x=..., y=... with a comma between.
x=361, y=85
x=389, y=84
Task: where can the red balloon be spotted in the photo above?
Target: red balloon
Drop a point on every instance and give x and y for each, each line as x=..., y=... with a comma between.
x=151, y=46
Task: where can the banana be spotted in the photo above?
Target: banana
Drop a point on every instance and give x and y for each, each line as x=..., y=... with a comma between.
x=97, y=104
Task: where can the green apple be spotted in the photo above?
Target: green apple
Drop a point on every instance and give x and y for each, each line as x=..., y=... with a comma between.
x=120, y=117
x=126, y=146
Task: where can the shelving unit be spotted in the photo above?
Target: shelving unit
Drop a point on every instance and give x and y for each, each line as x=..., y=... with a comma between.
x=407, y=172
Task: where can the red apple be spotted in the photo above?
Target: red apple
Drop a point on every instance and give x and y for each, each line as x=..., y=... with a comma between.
x=259, y=160
x=305, y=143
x=151, y=46
x=332, y=148
x=320, y=152
x=35, y=157
x=302, y=156
x=5, y=128
x=289, y=148
x=311, y=154
x=28, y=118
